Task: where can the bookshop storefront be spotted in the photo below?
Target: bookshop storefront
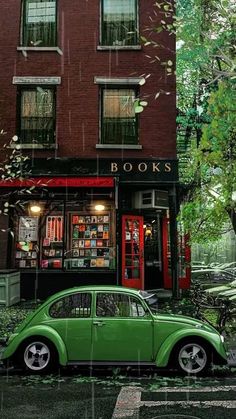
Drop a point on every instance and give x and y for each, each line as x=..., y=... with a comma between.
x=83, y=224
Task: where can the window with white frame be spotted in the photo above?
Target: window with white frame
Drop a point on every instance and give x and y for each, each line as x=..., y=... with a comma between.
x=36, y=115
x=118, y=118
x=39, y=23
x=119, y=22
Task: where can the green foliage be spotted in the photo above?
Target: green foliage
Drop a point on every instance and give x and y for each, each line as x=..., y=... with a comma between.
x=206, y=115
x=11, y=317
x=11, y=167
x=206, y=210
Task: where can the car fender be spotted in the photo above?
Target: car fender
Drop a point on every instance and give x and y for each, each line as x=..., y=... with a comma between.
x=163, y=355
x=43, y=331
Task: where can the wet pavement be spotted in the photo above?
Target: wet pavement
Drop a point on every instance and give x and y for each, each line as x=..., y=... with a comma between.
x=113, y=393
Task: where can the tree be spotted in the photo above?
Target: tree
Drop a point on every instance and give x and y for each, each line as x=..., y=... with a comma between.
x=206, y=72
x=210, y=202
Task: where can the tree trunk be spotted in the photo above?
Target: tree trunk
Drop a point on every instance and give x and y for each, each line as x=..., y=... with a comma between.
x=232, y=215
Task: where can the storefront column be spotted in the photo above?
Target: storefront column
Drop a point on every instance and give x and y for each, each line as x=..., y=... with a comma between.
x=173, y=203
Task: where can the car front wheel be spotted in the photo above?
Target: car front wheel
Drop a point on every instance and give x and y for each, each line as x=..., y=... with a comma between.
x=192, y=358
x=38, y=356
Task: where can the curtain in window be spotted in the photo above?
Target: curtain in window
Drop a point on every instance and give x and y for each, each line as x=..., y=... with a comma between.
x=37, y=116
x=119, y=120
x=119, y=25
x=39, y=23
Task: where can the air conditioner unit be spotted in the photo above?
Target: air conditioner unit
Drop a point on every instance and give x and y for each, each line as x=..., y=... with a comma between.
x=152, y=198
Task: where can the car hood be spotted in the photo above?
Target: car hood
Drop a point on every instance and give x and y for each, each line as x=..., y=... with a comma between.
x=218, y=289
x=173, y=318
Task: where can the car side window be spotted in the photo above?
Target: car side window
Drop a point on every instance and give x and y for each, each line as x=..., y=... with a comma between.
x=118, y=305
x=72, y=306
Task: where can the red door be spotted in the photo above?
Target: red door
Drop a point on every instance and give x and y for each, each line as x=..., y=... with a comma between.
x=132, y=251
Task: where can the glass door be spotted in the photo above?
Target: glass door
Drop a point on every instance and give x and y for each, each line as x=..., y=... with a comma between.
x=153, y=266
x=184, y=256
x=132, y=251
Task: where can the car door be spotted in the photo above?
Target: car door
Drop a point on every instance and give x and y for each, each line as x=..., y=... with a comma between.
x=71, y=317
x=122, y=329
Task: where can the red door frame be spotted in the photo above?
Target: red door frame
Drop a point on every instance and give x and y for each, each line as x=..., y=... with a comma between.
x=137, y=283
x=184, y=282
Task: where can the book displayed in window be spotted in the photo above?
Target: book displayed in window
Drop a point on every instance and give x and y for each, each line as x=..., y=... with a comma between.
x=26, y=245
x=90, y=241
x=52, y=243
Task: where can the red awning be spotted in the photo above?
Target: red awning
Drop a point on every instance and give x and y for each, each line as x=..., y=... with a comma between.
x=59, y=182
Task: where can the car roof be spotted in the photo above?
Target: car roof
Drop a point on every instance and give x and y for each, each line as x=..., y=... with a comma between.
x=91, y=288
x=211, y=270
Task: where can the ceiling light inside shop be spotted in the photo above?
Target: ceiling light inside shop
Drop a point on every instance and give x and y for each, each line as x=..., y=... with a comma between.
x=35, y=208
x=99, y=207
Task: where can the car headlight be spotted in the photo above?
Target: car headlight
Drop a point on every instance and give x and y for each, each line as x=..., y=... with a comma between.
x=222, y=338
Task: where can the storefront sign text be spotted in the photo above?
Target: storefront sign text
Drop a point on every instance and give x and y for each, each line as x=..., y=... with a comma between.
x=141, y=167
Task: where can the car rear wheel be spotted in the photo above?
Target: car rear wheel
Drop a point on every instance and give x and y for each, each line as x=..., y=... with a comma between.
x=192, y=357
x=38, y=356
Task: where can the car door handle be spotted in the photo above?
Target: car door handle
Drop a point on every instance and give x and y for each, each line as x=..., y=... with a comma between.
x=97, y=323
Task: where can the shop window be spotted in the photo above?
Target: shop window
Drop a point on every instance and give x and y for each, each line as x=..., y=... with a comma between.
x=37, y=115
x=59, y=238
x=119, y=121
x=72, y=306
x=90, y=241
x=118, y=305
x=27, y=243
x=39, y=24
x=52, y=241
x=119, y=22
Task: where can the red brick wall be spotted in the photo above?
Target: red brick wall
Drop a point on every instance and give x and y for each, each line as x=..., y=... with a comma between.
x=77, y=97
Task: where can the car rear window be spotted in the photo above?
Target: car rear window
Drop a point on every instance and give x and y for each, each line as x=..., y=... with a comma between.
x=72, y=306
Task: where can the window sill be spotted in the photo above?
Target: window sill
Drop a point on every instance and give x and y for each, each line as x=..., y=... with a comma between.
x=32, y=146
x=120, y=146
x=119, y=47
x=40, y=49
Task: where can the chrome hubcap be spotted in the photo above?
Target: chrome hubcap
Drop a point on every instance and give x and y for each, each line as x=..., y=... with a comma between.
x=37, y=356
x=192, y=358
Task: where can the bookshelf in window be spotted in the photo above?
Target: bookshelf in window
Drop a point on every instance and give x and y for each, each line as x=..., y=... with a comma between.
x=90, y=241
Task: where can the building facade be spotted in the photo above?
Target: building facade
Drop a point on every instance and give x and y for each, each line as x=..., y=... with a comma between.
x=94, y=111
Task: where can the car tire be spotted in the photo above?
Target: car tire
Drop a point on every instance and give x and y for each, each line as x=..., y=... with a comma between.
x=192, y=357
x=38, y=356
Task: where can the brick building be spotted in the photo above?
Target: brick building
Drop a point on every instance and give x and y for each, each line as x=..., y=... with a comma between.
x=104, y=205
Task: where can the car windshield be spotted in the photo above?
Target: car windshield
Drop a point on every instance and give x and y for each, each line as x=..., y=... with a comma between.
x=151, y=299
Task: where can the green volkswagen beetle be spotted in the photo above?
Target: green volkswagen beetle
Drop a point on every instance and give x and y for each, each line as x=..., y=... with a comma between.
x=111, y=325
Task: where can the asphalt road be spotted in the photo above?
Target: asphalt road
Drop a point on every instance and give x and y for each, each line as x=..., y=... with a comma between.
x=112, y=394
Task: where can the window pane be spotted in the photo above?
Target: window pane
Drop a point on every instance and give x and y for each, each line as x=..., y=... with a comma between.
x=137, y=309
x=119, y=26
x=39, y=23
x=119, y=103
x=37, y=116
x=77, y=305
x=118, y=305
x=107, y=305
x=119, y=120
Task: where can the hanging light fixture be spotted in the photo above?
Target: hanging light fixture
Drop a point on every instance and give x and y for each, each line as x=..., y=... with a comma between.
x=35, y=208
x=99, y=207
